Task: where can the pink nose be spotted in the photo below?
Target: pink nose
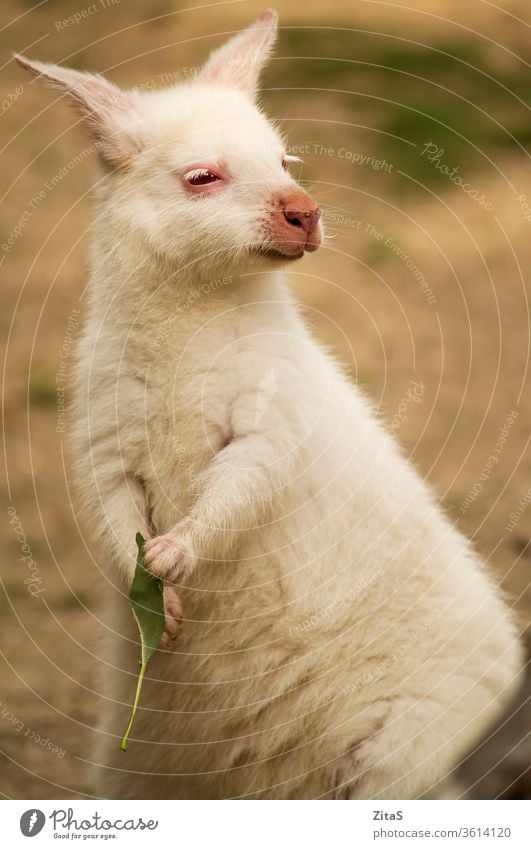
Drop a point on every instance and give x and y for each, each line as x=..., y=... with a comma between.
x=305, y=219
x=296, y=221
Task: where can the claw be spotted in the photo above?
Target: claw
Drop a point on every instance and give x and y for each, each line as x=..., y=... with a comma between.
x=173, y=617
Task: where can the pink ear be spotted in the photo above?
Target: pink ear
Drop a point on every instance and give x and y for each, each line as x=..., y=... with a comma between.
x=238, y=63
x=110, y=115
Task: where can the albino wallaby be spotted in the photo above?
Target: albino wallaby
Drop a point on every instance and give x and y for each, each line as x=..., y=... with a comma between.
x=339, y=638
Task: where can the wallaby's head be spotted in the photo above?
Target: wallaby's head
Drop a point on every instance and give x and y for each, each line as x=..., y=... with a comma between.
x=196, y=171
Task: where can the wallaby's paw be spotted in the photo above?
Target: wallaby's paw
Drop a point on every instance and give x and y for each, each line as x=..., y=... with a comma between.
x=171, y=556
x=173, y=614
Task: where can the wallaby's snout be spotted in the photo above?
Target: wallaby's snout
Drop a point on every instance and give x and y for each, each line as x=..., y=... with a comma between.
x=295, y=226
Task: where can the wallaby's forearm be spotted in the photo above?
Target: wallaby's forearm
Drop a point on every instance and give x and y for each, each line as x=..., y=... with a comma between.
x=124, y=515
x=235, y=492
x=123, y=506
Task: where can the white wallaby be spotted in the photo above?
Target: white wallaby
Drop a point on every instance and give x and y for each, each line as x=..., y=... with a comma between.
x=339, y=638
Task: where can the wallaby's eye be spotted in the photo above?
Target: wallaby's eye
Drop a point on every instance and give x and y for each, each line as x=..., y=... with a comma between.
x=201, y=177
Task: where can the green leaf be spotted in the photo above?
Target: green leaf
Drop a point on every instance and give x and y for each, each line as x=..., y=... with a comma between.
x=147, y=603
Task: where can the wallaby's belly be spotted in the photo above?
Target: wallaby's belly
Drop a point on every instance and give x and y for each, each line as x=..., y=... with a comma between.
x=296, y=652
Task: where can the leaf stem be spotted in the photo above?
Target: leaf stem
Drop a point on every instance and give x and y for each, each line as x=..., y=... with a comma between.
x=123, y=744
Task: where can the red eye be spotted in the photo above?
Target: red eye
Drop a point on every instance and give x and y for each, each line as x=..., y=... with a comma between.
x=201, y=177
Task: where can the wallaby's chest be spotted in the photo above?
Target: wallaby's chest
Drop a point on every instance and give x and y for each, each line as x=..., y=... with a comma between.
x=221, y=379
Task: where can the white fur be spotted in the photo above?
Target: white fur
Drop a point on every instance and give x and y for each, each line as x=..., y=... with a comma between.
x=340, y=638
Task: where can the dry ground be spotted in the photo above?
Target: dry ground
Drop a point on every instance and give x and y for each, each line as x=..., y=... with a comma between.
x=364, y=80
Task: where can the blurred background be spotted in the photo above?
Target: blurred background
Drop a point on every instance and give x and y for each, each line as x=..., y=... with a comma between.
x=413, y=123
